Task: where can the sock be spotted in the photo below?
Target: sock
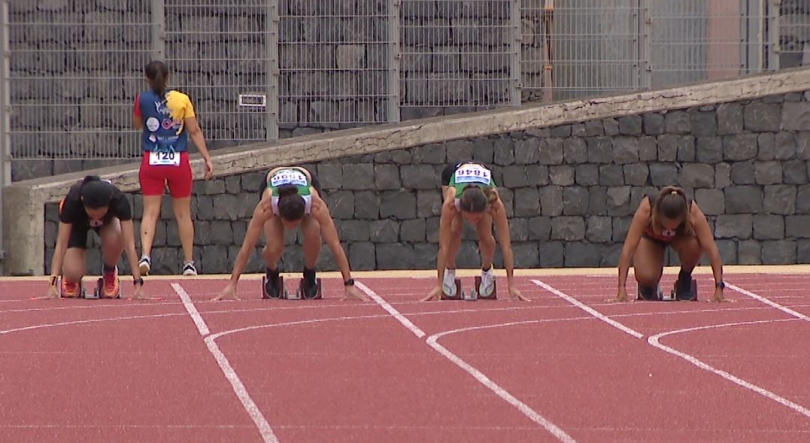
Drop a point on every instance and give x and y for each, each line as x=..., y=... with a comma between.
x=108, y=268
x=487, y=268
x=272, y=274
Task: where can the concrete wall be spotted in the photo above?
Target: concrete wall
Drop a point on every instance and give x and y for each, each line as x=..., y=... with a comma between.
x=575, y=168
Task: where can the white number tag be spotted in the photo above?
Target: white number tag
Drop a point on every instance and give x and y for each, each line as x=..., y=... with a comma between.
x=164, y=158
x=473, y=174
x=288, y=177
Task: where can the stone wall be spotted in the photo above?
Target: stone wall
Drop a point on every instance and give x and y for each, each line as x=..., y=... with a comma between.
x=570, y=191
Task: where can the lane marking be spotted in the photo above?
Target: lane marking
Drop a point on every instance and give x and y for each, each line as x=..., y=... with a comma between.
x=230, y=374
x=391, y=310
x=655, y=341
x=475, y=373
x=589, y=309
x=773, y=304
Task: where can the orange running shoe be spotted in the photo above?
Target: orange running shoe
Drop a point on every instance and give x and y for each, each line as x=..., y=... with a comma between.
x=69, y=289
x=111, y=283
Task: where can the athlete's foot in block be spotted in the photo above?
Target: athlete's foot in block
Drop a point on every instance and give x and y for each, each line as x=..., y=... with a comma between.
x=145, y=265
x=70, y=289
x=487, y=286
x=449, y=283
x=189, y=269
x=310, y=288
x=111, y=284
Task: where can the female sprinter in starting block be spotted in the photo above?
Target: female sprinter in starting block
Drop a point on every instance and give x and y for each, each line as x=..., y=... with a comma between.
x=668, y=219
x=470, y=194
x=98, y=205
x=291, y=198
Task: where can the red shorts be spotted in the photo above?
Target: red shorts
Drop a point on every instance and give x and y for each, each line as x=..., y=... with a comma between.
x=156, y=178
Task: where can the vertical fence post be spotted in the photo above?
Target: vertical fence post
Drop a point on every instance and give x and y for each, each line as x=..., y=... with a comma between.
x=394, y=93
x=158, y=30
x=774, y=46
x=515, y=41
x=645, y=25
x=272, y=67
x=5, y=119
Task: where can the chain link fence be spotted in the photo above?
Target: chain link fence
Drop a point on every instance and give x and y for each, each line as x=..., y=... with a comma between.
x=267, y=69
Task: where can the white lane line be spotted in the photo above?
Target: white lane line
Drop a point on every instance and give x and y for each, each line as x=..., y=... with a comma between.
x=230, y=374
x=784, y=309
x=391, y=310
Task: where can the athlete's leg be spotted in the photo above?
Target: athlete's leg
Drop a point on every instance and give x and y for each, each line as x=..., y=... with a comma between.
x=648, y=265
x=689, y=253
x=311, y=231
x=453, y=246
x=112, y=246
x=180, y=182
x=152, y=186
x=74, y=265
x=272, y=252
x=486, y=245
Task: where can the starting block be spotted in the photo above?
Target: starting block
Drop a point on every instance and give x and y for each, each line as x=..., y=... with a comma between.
x=285, y=294
x=692, y=295
x=474, y=294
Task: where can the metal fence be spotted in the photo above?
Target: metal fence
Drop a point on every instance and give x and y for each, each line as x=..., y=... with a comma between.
x=266, y=69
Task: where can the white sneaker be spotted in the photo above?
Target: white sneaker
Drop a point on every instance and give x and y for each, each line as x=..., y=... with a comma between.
x=145, y=265
x=487, y=283
x=189, y=269
x=449, y=282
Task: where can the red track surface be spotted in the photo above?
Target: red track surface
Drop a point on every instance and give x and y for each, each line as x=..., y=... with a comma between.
x=568, y=366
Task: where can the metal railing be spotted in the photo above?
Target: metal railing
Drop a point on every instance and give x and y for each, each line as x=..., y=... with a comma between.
x=267, y=69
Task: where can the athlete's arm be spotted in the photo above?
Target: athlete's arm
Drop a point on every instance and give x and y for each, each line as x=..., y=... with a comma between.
x=57, y=261
x=137, y=119
x=704, y=236
x=631, y=241
x=254, y=231
x=505, y=239
x=330, y=235
x=128, y=232
x=445, y=230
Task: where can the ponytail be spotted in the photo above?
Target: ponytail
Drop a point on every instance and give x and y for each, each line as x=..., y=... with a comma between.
x=157, y=73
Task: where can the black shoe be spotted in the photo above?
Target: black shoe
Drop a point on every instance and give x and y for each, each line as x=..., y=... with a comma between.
x=311, y=288
x=272, y=286
x=684, y=289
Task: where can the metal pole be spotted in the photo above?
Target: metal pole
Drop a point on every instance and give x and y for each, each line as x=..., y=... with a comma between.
x=774, y=48
x=515, y=54
x=272, y=102
x=5, y=119
x=158, y=30
x=394, y=94
x=645, y=31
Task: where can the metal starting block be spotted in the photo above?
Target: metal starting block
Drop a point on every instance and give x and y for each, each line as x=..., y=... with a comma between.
x=474, y=294
x=285, y=294
x=692, y=295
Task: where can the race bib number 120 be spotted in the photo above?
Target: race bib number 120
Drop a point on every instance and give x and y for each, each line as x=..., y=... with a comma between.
x=163, y=158
x=473, y=174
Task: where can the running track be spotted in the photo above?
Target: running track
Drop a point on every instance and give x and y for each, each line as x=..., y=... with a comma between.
x=567, y=367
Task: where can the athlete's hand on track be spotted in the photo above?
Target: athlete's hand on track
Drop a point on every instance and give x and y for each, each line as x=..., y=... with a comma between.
x=718, y=296
x=515, y=293
x=141, y=295
x=621, y=296
x=434, y=294
x=353, y=292
x=53, y=292
x=228, y=292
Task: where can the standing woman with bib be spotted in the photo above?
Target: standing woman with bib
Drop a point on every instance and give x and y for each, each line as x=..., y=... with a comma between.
x=167, y=120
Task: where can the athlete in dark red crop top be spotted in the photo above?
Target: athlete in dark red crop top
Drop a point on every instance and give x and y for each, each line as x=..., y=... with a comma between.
x=668, y=219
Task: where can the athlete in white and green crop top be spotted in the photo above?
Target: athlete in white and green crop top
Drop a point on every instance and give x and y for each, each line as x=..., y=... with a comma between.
x=291, y=198
x=470, y=194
